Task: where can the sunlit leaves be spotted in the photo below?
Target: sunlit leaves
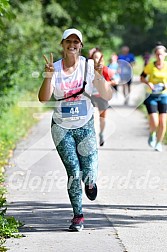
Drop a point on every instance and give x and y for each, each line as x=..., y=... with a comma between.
x=5, y=12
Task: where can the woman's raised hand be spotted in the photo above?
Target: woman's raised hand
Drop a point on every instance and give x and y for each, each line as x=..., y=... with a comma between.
x=49, y=66
x=99, y=65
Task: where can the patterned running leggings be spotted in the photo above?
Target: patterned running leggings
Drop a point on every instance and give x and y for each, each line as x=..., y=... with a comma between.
x=77, y=149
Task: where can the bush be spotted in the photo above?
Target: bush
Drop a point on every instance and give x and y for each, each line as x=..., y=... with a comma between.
x=8, y=225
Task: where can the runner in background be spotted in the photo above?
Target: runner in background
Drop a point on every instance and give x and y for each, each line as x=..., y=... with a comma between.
x=146, y=58
x=129, y=57
x=98, y=101
x=91, y=51
x=156, y=101
x=114, y=66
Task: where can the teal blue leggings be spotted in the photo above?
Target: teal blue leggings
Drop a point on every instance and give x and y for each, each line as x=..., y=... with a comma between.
x=77, y=149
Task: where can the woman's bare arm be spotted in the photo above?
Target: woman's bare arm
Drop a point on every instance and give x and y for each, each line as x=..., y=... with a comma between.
x=46, y=88
x=103, y=86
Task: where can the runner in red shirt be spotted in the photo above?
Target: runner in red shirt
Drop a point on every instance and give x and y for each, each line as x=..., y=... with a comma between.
x=99, y=102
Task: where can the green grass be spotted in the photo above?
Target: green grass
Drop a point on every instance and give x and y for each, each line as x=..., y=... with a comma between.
x=9, y=226
x=138, y=66
x=15, y=123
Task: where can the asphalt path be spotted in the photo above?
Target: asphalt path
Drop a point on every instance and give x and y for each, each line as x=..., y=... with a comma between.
x=130, y=211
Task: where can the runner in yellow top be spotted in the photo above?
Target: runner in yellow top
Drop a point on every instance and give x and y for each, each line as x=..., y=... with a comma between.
x=156, y=101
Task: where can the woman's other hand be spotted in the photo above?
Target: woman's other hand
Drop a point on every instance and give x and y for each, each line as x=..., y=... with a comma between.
x=49, y=66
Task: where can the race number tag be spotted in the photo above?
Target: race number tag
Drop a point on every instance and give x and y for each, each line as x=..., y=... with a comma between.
x=74, y=110
x=158, y=88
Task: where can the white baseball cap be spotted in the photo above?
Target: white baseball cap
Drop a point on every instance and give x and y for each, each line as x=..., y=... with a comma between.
x=71, y=31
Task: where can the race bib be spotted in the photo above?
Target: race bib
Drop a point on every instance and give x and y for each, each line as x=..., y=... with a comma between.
x=158, y=88
x=74, y=110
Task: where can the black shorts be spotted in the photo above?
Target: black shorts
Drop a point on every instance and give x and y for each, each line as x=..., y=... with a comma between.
x=100, y=103
x=156, y=103
x=129, y=82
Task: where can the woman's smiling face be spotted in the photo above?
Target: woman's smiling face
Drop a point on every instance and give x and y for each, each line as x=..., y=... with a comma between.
x=72, y=44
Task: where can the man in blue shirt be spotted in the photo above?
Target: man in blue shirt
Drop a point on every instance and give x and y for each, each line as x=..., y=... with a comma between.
x=129, y=57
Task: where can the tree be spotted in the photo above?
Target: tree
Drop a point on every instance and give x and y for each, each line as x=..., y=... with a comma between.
x=5, y=11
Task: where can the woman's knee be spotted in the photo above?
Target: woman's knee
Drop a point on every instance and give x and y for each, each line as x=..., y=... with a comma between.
x=162, y=120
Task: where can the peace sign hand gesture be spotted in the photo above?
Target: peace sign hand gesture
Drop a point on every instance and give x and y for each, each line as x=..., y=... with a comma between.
x=99, y=65
x=49, y=66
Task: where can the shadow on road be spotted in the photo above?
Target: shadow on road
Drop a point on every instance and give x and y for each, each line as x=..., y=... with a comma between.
x=48, y=217
x=124, y=149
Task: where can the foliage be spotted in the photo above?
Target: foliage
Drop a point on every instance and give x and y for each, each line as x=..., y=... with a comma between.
x=15, y=122
x=8, y=225
x=131, y=21
x=15, y=125
x=21, y=54
x=55, y=15
x=5, y=11
x=31, y=28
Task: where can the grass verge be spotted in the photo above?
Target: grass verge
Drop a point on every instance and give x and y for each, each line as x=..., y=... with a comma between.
x=15, y=123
